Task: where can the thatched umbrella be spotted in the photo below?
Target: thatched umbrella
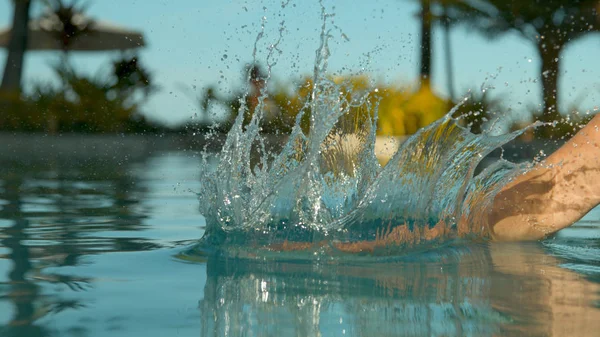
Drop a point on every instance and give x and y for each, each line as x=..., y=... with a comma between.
x=63, y=27
x=47, y=33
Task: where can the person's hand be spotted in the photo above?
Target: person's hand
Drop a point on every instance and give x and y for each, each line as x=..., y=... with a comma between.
x=553, y=195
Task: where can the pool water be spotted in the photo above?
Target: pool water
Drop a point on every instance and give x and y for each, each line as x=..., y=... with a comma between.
x=91, y=246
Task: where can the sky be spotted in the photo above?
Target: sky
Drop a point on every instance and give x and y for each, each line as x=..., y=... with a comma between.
x=199, y=43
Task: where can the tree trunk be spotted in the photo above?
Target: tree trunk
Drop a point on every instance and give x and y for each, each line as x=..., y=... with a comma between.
x=550, y=74
x=13, y=69
x=448, y=54
x=425, y=71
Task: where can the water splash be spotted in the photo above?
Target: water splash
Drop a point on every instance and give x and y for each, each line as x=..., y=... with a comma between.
x=325, y=191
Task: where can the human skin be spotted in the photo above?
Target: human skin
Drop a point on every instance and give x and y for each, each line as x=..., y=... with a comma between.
x=553, y=195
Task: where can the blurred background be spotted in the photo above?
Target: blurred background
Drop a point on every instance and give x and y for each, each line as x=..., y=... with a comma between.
x=122, y=66
x=104, y=105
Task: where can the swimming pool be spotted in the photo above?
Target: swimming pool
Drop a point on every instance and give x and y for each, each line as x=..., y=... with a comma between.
x=90, y=246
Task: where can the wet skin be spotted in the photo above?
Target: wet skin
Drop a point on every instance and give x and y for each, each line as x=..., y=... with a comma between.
x=555, y=194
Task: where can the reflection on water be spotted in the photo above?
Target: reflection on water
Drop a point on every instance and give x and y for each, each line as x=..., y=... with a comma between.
x=474, y=290
x=23, y=292
x=87, y=249
x=419, y=297
x=57, y=213
x=54, y=213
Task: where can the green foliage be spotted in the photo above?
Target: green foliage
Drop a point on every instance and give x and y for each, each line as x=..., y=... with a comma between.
x=399, y=112
x=550, y=25
x=563, y=128
x=83, y=104
x=555, y=21
x=287, y=102
x=64, y=18
x=478, y=110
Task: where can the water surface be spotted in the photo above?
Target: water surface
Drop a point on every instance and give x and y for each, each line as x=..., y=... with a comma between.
x=90, y=246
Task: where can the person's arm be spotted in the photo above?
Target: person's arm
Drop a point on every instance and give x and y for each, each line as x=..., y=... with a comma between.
x=553, y=196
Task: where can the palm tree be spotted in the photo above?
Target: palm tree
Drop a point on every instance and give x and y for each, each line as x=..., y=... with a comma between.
x=13, y=69
x=65, y=30
x=64, y=16
x=425, y=64
x=445, y=22
x=428, y=18
x=549, y=24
